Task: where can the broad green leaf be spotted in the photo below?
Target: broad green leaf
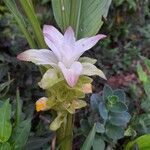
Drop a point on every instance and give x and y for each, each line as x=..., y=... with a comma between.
x=142, y=75
x=107, y=91
x=103, y=111
x=120, y=94
x=100, y=128
x=143, y=143
x=85, y=16
x=119, y=119
x=85, y=127
x=114, y=132
x=114, y=105
x=118, y=107
x=61, y=10
x=5, y=124
x=20, y=135
x=5, y=146
x=94, y=101
x=89, y=140
x=98, y=143
x=91, y=16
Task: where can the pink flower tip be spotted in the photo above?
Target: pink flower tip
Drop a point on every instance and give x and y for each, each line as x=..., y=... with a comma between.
x=47, y=27
x=20, y=57
x=101, y=36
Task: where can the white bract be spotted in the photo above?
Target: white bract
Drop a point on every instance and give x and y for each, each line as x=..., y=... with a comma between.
x=64, y=55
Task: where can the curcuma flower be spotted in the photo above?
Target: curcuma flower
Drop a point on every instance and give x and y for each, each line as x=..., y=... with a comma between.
x=64, y=56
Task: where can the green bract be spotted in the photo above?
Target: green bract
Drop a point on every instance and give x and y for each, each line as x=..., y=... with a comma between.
x=64, y=99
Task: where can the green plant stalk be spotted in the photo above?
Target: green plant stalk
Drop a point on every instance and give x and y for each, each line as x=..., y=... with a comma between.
x=19, y=19
x=34, y=22
x=65, y=134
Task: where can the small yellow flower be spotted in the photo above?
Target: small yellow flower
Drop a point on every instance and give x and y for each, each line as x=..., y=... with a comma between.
x=87, y=88
x=41, y=104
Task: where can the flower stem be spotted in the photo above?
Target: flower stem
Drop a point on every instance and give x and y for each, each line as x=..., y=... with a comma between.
x=65, y=134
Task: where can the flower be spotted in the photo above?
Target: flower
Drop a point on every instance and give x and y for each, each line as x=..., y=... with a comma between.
x=64, y=54
x=41, y=104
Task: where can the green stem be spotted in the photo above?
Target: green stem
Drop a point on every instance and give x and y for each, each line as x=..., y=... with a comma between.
x=65, y=134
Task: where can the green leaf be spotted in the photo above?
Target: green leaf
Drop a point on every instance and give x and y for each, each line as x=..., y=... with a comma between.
x=103, y=111
x=114, y=132
x=5, y=124
x=94, y=101
x=85, y=16
x=89, y=140
x=91, y=16
x=143, y=143
x=115, y=106
x=20, y=135
x=120, y=94
x=142, y=75
x=107, y=91
x=147, y=88
x=119, y=119
x=32, y=17
x=18, y=108
x=85, y=127
x=147, y=62
x=100, y=128
x=36, y=143
x=98, y=143
x=4, y=87
x=5, y=146
x=61, y=10
x=145, y=105
x=20, y=20
x=130, y=132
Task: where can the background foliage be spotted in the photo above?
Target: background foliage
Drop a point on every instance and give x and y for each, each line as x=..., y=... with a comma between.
x=128, y=36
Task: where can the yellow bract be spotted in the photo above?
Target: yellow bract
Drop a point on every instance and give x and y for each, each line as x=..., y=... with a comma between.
x=41, y=104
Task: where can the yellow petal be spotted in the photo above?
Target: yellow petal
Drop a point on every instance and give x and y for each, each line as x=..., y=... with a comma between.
x=41, y=104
